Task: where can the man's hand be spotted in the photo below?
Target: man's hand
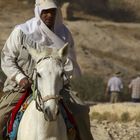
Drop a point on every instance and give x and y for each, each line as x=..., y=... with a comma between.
x=25, y=83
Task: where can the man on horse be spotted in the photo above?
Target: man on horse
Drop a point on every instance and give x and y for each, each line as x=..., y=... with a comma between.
x=46, y=29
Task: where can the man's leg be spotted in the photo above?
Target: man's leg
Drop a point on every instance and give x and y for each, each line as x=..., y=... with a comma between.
x=116, y=97
x=81, y=114
x=7, y=103
x=112, y=97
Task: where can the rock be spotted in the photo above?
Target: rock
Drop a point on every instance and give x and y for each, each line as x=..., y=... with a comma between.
x=67, y=11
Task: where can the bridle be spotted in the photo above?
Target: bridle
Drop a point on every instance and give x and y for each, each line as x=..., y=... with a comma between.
x=39, y=100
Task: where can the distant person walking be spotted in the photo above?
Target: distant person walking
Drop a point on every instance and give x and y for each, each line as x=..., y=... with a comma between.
x=134, y=86
x=114, y=87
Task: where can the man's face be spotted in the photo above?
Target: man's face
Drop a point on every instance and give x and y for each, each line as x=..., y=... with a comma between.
x=48, y=17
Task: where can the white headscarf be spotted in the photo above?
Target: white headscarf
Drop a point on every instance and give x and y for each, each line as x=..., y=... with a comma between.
x=39, y=32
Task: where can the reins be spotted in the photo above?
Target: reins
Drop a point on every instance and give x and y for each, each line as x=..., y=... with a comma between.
x=39, y=100
x=9, y=104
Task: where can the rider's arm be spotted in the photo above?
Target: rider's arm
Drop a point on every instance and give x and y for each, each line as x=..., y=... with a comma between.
x=9, y=56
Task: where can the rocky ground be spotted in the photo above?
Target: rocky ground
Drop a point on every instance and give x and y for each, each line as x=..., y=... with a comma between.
x=120, y=127
x=106, y=130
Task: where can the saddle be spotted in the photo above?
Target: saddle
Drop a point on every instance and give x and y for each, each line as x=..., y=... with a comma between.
x=11, y=129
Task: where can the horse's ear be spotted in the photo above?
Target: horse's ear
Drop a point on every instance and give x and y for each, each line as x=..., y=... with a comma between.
x=63, y=52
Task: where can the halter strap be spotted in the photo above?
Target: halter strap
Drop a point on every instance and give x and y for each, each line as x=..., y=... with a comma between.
x=42, y=59
x=37, y=97
x=49, y=97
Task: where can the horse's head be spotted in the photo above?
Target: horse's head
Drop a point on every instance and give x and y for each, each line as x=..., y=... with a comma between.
x=50, y=71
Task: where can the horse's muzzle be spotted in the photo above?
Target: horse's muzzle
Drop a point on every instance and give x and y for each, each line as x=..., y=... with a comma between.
x=49, y=115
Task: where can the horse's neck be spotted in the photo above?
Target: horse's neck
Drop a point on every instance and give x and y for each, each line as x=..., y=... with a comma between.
x=34, y=126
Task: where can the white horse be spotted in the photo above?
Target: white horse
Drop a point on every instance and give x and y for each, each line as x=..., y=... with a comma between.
x=48, y=123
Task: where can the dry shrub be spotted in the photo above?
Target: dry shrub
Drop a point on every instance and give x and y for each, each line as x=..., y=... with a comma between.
x=89, y=87
x=125, y=117
x=118, y=10
x=137, y=117
x=95, y=115
x=105, y=116
x=114, y=117
x=120, y=112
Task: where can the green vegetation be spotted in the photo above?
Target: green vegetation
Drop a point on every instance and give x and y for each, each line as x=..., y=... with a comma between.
x=121, y=10
x=137, y=117
x=89, y=87
x=105, y=116
x=118, y=10
x=115, y=4
x=125, y=117
x=92, y=88
x=95, y=115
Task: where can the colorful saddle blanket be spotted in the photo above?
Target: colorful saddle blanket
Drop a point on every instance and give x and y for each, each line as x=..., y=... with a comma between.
x=10, y=130
x=12, y=127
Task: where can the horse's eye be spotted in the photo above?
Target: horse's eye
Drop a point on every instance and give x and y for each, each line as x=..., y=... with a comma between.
x=38, y=75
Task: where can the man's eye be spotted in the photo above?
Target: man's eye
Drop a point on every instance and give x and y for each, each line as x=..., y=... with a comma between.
x=38, y=75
